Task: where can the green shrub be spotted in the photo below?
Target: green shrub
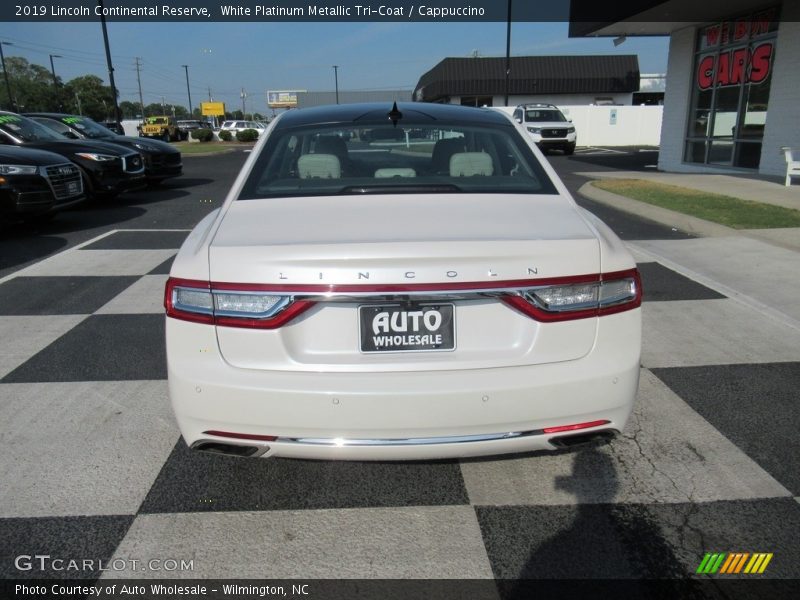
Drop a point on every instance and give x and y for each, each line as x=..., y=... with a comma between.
x=204, y=135
x=247, y=135
x=225, y=135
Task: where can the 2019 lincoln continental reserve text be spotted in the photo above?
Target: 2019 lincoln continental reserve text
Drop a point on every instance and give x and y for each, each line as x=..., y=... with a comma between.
x=400, y=282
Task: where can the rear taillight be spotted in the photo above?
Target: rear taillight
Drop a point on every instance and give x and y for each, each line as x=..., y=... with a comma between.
x=580, y=298
x=270, y=306
x=197, y=301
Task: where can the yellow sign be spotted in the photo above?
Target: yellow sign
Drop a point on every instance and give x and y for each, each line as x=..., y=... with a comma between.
x=212, y=109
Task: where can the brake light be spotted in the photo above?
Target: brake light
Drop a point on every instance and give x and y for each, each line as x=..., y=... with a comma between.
x=575, y=427
x=197, y=301
x=580, y=298
x=270, y=306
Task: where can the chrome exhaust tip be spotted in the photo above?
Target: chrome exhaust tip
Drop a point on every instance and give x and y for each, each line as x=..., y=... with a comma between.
x=584, y=439
x=215, y=447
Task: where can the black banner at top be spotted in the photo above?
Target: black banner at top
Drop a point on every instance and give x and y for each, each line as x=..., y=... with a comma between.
x=587, y=12
x=283, y=10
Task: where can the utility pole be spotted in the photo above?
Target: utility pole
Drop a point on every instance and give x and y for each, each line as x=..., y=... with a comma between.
x=117, y=113
x=336, y=81
x=244, y=97
x=188, y=91
x=78, y=102
x=139, y=81
x=508, y=51
x=210, y=99
x=55, y=81
x=5, y=74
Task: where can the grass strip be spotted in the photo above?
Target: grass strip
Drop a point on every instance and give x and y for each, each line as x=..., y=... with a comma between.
x=733, y=212
x=205, y=147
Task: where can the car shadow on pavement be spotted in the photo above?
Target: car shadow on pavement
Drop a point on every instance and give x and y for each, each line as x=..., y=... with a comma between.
x=12, y=255
x=624, y=161
x=45, y=238
x=182, y=182
x=146, y=196
x=570, y=547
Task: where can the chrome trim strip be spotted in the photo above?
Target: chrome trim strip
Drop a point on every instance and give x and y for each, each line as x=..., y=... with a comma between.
x=455, y=439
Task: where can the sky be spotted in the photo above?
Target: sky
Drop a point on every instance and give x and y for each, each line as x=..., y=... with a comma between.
x=227, y=57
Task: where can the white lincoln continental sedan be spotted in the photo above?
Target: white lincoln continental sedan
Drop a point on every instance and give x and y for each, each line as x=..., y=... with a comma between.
x=400, y=282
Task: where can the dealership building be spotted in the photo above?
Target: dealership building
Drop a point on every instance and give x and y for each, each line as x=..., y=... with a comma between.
x=732, y=97
x=559, y=80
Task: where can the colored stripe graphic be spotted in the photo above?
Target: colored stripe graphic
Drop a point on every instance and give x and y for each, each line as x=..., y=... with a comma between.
x=725, y=568
x=764, y=564
x=733, y=563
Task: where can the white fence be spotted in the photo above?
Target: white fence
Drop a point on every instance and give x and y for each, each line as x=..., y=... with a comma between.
x=614, y=125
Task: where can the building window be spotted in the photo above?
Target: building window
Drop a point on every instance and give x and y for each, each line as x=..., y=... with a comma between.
x=476, y=100
x=730, y=92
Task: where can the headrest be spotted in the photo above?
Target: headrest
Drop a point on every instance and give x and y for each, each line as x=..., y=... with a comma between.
x=467, y=164
x=319, y=166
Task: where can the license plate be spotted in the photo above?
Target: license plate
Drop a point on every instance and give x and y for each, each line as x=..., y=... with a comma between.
x=407, y=328
x=72, y=187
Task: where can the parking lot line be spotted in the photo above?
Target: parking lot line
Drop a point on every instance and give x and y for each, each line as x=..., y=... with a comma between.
x=38, y=265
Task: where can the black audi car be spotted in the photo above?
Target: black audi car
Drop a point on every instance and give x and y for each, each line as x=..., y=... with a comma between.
x=34, y=184
x=107, y=169
x=161, y=160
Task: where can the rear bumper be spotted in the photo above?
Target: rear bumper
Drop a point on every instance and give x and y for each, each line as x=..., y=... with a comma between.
x=431, y=406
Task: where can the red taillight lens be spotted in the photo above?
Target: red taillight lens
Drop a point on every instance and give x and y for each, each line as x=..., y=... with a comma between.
x=242, y=436
x=575, y=427
x=199, y=302
x=580, y=297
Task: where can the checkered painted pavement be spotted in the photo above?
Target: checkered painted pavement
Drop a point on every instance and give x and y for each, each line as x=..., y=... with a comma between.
x=93, y=464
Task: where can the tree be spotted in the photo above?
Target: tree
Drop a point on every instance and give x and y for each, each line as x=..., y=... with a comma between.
x=156, y=109
x=88, y=96
x=31, y=86
x=130, y=110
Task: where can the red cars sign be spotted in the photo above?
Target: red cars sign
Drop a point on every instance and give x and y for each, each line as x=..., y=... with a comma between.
x=736, y=55
x=733, y=67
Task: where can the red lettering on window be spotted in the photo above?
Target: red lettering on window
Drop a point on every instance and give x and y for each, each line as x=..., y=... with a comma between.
x=712, y=35
x=723, y=68
x=705, y=72
x=760, y=63
x=762, y=21
x=726, y=30
x=738, y=66
x=741, y=29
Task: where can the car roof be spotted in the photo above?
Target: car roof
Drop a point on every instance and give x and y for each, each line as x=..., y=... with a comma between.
x=50, y=115
x=414, y=113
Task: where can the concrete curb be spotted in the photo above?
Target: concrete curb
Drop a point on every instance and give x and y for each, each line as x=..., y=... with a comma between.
x=671, y=218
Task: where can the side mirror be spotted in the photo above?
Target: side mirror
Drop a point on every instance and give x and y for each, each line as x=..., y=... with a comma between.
x=518, y=120
x=569, y=120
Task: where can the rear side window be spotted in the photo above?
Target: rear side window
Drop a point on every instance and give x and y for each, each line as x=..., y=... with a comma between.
x=381, y=158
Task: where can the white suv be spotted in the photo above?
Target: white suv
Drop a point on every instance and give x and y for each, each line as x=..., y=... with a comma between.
x=236, y=126
x=548, y=126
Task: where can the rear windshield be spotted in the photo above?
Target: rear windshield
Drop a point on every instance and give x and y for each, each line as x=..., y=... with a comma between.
x=382, y=158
